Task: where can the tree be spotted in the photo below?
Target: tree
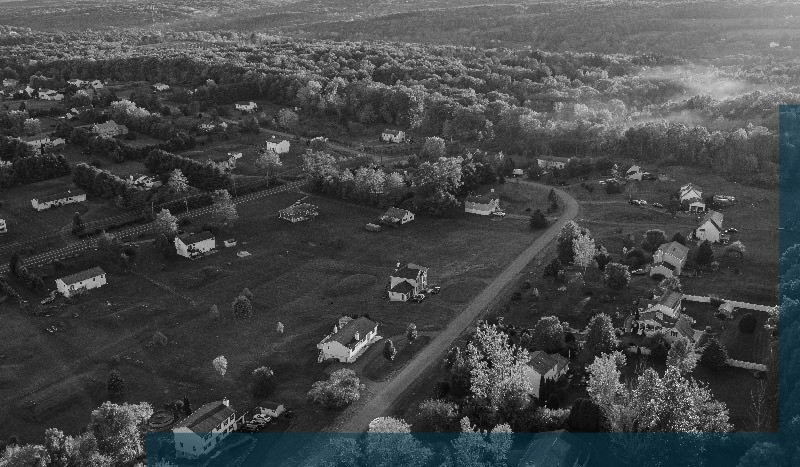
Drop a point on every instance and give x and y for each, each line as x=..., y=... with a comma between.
x=287, y=119
x=748, y=323
x=552, y=269
x=268, y=161
x=497, y=368
x=566, y=253
x=682, y=355
x=224, y=208
x=159, y=339
x=653, y=239
x=241, y=307
x=177, y=183
x=433, y=148
x=704, y=255
x=604, y=384
x=602, y=258
x=213, y=312
x=389, y=351
x=388, y=425
x=475, y=448
x=736, y=248
x=32, y=126
x=341, y=389
x=119, y=430
x=220, y=365
x=616, y=276
x=758, y=408
x=600, y=337
x=680, y=238
x=585, y=417
x=263, y=382
x=714, y=355
x=77, y=224
x=165, y=223
x=247, y=293
x=548, y=334
x=583, y=250
x=411, y=332
x=671, y=283
x=115, y=384
x=538, y=220
x=436, y=415
x=762, y=454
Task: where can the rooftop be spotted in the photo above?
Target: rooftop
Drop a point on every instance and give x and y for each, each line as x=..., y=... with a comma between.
x=543, y=362
x=83, y=275
x=207, y=417
x=195, y=237
x=483, y=199
x=675, y=249
x=409, y=271
x=302, y=209
x=346, y=334
x=403, y=287
x=715, y=218
x=396, y=212
x=670, y=299
x=60, y=195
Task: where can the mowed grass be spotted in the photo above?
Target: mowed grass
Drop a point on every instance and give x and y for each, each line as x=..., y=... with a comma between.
x=304, y=275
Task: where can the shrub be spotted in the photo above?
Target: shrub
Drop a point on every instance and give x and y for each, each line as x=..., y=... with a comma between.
x=714, y=355
x=115, y=385
x=340, y=390
x=389, y=351
x=748, y=323
x=242, y=308
x=411, y=332
x=263, y=382
x=437, y=416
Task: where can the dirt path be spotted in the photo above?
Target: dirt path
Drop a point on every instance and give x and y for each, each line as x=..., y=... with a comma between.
x=384, y=395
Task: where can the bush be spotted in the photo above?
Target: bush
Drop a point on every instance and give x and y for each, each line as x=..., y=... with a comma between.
x=340, y=390
x=436, y=416
x=115, y=385
x=263, y=382
x=748, y=323
x=389, y=351
x=714, y=355
x=242, y=308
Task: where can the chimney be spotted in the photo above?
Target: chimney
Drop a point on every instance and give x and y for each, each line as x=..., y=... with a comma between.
x=226, y=402
x=356, y=336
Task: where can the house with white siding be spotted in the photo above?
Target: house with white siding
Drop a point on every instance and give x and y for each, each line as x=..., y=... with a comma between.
x=201, y=432
x=80, y=282
x=690, y=193
x=399, y=216
x=668, y=304
x=278, y=146
x=299, y=212
x=697, y=206
x=710, y=227
x=160, y=87
x=393, y=136
x=634, y=173
x=192, y=245
x=483, y=205
x=407, y=281
x=669, y=259
x=552, y=162
x=247, y=108
x=349, y=339
x=58, y=199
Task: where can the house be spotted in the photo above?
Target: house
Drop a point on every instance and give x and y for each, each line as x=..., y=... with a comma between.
x=348, y=341
x=50, y=95
x=78, y=83
x=710, y=227
x=517, y=172
x=199, y=433
x=395, y=215
x=669, y=259
x=278, y=147
x=543, y=367
x=143, y=181
x=160, y=87
x=299, y=212
x=192, y=245
x=668, y=304
x=552, y=162
x=3, y=226
x=271, y=409
x=81, y=281
x=39, y=141
x=249, y=107
x=96, y=84
x=230, y=243
x=634, y=173
x=689, y=193
x=109, y=129
x=726, y=310
x=682, y=328
x=482, y=205
x=407, y=281
x=554, y=449
x=373, y=227
x=393, y=136
x=697, y=206
x=58, y=199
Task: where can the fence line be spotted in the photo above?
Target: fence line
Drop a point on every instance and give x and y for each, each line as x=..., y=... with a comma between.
x=735, y=304
x=747, y=365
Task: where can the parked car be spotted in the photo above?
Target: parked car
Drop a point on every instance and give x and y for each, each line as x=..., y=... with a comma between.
x=434, y=289
x=499, y=213
x=262, y=418
x=658, y=205
x=418, y=298
x=732, y=230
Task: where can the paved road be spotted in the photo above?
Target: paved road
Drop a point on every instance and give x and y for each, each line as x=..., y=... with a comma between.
x=385, y=394
x=132, y=231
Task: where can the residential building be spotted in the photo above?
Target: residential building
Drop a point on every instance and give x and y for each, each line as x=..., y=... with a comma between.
x=395, y=215
x=199, y=433
x=407, y=281
x=668, y=304
x=3, y=226
x=58, y=199
x=710, y=227
x=109, y=129
x=192, y=245
x=669, y=259
x=248, y=107
x=393, y=136
x=349, y=339
x=552, y=162
x=160, y=87
x=517, y=172
x=80, y=282
x=697, y=206
x=39, y=141
x=554, y=449
x=271, y=409
x=143, y=181
x=634, y=173
x=299, y=212
x=78, y=83
x=96, y=84
x=543, y=368
x=50, y=95
x=689, y=193
x=482, y=205
x=278, y=147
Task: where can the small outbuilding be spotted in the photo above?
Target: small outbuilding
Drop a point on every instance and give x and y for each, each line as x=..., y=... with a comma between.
x=299, y=212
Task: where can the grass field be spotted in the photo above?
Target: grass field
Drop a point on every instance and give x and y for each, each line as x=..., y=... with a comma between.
x=301, y=275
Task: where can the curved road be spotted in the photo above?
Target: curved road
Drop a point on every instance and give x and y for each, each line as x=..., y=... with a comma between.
x=385, y=394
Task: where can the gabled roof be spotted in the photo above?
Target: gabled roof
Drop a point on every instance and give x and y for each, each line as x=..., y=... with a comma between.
x=670, y=299
x=346, y=334
x=675, y=249
x=83, y=275
x=715, y=218
x=543, y=362
x=392, y=132
x=303, y=209
x=58, y=196
x=396, y=213
x=195, y=237
x=684, y=328
x=409, y=271
x=482, y=199
x=207, y=417
x=403, y=287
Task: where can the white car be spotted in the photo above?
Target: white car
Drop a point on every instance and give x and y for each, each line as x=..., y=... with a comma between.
x=499, y=213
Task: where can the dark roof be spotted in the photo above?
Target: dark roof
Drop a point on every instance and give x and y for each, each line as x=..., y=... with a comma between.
x=554, y=159
x=670, y=299
x=346, y=334
x=403, y=287
x=684, y=328
x=60, y=195
x=83, y=275
x=715, y=218
x=207, y=417
x=195, y=237
x=303, y=209
x=675, y=249
x=396, y=213
x=409, y=271
x=482, y=199
x=543, y=362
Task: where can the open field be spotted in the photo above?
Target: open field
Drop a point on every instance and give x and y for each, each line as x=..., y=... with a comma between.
x=299, y=276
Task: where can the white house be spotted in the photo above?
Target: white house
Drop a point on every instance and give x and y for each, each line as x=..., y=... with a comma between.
x=668, y=304
x=543, y=367
x=348, y=341
x=81, y=281
x=3, y=226
x=690, y=193
x=393, y=136
x=58, y=199
x=96, y=84
x=279, y=147
x=517, y=172
x=199, y=433
x=482, y=205
x=552, y=162
x=38, y=141
x=395, y=215
x=78, y=83
x=299, y=212
x=160, y=87
x=271, y=409
x=669, y=259
x=50, y=95
x=710, y=227
x=697, y=206
x=249, y=107
x=109, y=129
x=634, y=173
x=407, y=281
x=143, y=181
x=194, y=244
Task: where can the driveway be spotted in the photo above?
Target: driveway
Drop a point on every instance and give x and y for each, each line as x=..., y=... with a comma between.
x=385, y=394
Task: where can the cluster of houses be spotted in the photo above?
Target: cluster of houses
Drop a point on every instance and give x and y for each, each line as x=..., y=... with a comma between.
x=249, y=107
x=38, y=142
